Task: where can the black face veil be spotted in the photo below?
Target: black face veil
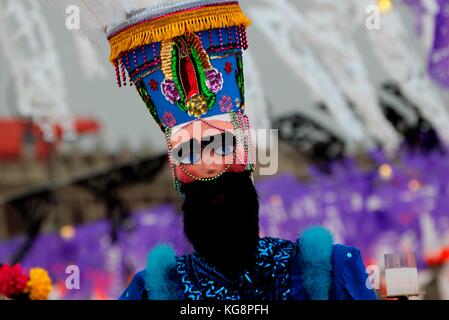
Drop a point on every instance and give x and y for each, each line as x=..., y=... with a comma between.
x=221, y=220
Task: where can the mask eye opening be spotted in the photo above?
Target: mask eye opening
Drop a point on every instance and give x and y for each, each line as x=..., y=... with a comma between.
x=187, y=153
x=222, y=144
x=190, y=152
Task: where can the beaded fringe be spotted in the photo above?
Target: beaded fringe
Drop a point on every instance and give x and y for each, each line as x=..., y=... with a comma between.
x=171, y=26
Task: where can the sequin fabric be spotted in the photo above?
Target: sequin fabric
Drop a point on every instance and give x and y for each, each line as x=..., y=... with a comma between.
x=268, y=280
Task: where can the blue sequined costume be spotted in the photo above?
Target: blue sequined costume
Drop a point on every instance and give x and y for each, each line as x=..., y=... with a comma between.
x=282, y=272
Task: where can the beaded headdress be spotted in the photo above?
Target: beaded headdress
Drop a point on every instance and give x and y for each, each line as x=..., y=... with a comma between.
x=185, y=60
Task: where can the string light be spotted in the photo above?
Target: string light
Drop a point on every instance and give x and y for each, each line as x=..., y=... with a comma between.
x=385, y=5
x=67, y=232
x=414, y=185
x=386, y=171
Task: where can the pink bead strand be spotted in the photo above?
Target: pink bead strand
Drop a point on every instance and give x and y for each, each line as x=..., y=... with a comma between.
x=244, y=39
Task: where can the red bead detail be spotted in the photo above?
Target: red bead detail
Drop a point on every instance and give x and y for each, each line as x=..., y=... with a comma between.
x=211, y=39
x=169, y=119
x=127, y=62
x=144, y=54
x=148, y=65
x=228, y=67
x=154, y=85
x=117, y=73
x=230, y=37
x=123, y=73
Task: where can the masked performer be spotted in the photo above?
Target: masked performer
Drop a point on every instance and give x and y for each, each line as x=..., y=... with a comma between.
x=185, y=60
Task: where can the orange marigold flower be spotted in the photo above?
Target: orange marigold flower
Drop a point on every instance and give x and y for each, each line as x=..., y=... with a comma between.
x=39, y=286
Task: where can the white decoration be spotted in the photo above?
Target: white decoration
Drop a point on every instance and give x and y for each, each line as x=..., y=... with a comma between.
x=431, y=241
x=401, y=281
x=88, y=58
x=443, y=282
x=95, y=15
x=428, y=21
x=256, y=103
x=35, y=66
x=331, y=20
x=403, y=65
x=277, y=23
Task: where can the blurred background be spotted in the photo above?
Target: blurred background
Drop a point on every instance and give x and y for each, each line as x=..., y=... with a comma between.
x=359, y=91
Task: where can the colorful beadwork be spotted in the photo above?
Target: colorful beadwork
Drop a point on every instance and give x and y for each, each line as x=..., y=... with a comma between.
x=226, y=104
x=238, y=102
x=268, y=280
x=169, y=119
x=123, y=72
x=242, y=132
x=228, y=67
x=190, y=80
x=190, y=76
x=240, y=78
x=154, y=85
x=195, y=16
x=194, y=85
x=214, y=80
x=148, y=101
x=174, y=163
x=170, y=91
x=197, y=105
x=226, y=169
x=117, y=73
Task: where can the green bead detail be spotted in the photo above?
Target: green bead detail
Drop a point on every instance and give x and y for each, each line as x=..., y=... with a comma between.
x=240, y=78
x=174, y=64
x=141, y=89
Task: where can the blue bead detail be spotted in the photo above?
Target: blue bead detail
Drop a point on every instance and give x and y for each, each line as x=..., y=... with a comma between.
x=269, y=280
x=349, y=255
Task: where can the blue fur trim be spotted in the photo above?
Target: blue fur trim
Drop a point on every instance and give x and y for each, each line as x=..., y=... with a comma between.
x=315, y=253
x=160, y=262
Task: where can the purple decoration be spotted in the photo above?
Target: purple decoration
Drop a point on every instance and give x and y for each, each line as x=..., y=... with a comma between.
x=169, y=120
x=170, y=91
x=104, y=268
x=439, y=58
x=226, y=104
x=214, y=80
